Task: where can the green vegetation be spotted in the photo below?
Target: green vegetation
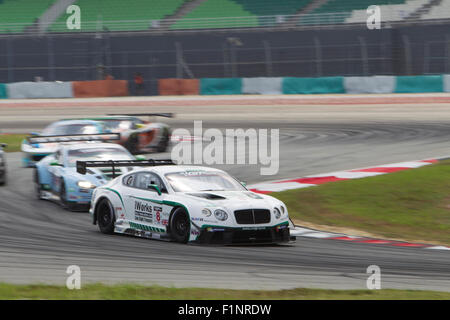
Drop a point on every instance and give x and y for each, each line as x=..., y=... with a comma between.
x=135, y=292
x=13, y=141
x=412, y=205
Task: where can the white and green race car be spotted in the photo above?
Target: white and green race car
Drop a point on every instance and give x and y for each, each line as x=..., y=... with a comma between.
x=185, y=204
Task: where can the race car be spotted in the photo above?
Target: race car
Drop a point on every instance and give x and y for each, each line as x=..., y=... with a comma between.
x=56, y=178
x=33, y=152
x=185, y=204
x=137, y=135
x=2, y=164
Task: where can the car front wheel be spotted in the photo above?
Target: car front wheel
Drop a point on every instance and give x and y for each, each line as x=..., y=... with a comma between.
x=180, y=226
x=105, y=217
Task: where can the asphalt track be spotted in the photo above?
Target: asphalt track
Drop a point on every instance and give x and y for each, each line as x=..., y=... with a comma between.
x=39, y=240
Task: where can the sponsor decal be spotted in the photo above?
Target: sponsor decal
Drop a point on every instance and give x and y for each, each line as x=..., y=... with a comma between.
x=158, y=211
x=164, y=222
x=195, y=232
x=144, y=227
x=142, y=212
x=142, y=207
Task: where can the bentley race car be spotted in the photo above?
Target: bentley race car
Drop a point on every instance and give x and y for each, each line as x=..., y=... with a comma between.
x=184, y=204
x=137, y=135
x=56, y=178
x=33, y=152
x=2, y=164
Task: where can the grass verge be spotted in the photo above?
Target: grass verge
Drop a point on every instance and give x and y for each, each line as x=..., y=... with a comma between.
x=413, y=205
x=12, y=140
x=133, y=292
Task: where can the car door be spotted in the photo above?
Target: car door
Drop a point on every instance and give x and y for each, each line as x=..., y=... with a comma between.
x=56, y=171
x=144, y=206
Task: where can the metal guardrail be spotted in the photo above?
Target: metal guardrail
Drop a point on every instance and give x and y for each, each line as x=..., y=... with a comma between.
x=165, y=25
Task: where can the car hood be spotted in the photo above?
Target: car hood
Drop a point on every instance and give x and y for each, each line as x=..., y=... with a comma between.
x=38, y=147
x=233, y=199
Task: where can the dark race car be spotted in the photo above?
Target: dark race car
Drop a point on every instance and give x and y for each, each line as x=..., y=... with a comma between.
x=137, y=135
x=2, y=164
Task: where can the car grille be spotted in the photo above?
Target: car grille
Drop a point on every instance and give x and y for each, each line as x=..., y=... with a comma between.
x=252, y=216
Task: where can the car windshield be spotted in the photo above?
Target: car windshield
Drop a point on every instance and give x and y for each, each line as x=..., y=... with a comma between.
x=97, y=154
x=195, y=181
x=118, y=125
x=65, y=129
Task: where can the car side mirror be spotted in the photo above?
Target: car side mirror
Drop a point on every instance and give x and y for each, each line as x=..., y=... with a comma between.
x=155, y=187
x=55, y=164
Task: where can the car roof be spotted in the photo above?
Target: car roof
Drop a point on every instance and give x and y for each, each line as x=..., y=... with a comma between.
x=73, y=121
x=178, y=168
x=90, y=145
x=107, y=118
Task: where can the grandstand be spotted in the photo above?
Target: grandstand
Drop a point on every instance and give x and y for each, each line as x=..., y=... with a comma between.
x=138, y=15
x=16, y=15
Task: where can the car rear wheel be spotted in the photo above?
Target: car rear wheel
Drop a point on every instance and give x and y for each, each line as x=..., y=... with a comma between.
x=180, y=226
x=132, y=144
x=164, y=143
x=105, y=217
x=37, y=185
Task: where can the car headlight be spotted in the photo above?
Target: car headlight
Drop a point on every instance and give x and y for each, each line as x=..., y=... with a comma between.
x=277, y=213
x=206, y=212
x=221, y=215
x=85, y=185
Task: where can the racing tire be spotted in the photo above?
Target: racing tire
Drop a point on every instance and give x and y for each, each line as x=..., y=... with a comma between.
x=180, y=226
x=105, y=217
x=132, y=144
x=164, y=143
x=37, y=185
x=63, y=197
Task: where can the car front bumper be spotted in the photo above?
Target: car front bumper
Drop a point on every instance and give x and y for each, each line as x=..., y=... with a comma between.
x=251, y=235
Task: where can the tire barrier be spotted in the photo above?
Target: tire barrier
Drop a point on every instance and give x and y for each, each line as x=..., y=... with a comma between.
x=262, y=85
x=217, y=86
x=3, y=92
x=39, y=90
x=229, y=86
x=375, y=84
x=313, y=85
x=100, y=88
x=416, y=84
x=173, y=87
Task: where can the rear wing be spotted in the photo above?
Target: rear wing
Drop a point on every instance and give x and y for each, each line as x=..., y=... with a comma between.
x=83, y=165
x=102, y=137
x=165, y=115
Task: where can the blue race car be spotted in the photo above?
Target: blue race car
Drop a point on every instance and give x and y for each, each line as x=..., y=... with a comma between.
x=56, y=177
x=33, y=152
